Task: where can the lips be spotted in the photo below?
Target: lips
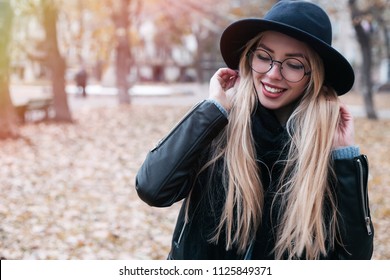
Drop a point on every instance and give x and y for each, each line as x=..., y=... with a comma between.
x=272, y=91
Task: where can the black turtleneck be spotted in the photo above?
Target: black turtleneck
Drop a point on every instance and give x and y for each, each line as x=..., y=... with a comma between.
x=271, y=141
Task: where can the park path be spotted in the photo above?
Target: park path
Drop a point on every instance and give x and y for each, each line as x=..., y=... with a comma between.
x=186, y=94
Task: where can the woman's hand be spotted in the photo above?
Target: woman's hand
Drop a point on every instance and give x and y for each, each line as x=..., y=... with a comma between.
x=220, y=84
x=345, y=134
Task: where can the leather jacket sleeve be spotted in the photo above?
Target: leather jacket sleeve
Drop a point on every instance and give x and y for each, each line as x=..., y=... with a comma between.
x=165, y=176
x=354, y=220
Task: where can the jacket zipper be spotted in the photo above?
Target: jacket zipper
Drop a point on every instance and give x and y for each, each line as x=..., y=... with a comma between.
x=177, y=243
x=364, y=195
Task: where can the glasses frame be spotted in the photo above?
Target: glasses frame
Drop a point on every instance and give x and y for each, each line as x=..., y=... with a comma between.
x=251, y=53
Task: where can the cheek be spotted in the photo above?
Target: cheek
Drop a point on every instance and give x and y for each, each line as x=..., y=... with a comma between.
x=256, y=78
x=258, y=85
x=300, y=87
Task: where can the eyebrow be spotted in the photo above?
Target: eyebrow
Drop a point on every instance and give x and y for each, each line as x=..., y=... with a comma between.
x=262, y=46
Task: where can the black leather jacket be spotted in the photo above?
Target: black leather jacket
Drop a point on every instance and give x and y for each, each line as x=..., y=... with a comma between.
x=167, y=176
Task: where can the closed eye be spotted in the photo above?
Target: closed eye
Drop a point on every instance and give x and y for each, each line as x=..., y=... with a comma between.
x=294, y=64
x=263, y=57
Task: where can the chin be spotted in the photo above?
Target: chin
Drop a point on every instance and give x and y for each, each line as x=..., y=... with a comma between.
x=269, y=104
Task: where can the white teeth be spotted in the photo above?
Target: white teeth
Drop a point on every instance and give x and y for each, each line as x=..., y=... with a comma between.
x=273, y=90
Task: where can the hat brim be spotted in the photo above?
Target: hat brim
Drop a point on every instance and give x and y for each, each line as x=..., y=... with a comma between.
x=338, y=71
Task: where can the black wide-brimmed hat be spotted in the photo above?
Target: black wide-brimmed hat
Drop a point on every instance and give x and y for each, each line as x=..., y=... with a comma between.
x=301, y=20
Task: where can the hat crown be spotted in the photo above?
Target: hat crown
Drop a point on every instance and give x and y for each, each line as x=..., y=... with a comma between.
x=304, y=16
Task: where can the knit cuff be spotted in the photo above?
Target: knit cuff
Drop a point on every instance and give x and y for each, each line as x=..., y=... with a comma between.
x=219, y=106
x=346, y=152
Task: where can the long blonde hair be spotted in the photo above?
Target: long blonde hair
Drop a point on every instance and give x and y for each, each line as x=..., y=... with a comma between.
x=304, y=187
x=305, y=227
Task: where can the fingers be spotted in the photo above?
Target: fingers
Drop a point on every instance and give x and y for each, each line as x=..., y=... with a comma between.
x=346, y=119
x=220, y=84
x=344, y=135
x=226, y=78
x=345, y=114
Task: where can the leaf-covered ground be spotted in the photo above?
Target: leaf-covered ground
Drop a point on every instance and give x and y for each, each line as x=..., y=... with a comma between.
x=68, y=190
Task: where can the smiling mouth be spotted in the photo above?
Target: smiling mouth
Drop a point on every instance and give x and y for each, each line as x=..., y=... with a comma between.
x=272, y=89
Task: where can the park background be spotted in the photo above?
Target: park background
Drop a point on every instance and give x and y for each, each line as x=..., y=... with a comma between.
x=68, y=162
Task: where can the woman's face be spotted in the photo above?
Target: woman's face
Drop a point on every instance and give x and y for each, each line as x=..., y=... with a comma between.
x=273, y=90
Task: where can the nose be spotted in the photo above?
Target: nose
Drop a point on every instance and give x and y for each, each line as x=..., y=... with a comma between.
x=275, y=72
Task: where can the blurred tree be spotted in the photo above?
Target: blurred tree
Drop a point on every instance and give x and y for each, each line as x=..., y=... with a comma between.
x=383, y=18
x=46, y=51
x=7, y=113
x=55, y=62
x=86, y=35
x=93, y=39
x=179, y=19
x=206, y=24
x=370, y=21
x=124, y=11
x=362, y=21
x=176, y=20
x=112, y=27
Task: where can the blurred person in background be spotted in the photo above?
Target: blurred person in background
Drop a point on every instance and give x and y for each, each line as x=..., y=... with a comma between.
x=81, y=79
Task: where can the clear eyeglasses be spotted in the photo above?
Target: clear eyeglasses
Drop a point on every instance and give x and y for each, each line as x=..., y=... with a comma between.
x=291, y=69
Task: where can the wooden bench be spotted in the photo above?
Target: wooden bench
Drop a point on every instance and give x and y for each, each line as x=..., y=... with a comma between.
x=35, y=109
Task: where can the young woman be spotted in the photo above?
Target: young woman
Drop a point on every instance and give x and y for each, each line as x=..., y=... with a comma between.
x=267, y=166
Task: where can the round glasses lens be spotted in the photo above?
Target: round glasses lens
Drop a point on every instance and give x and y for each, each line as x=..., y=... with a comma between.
x=292, y=70
x=260, y=61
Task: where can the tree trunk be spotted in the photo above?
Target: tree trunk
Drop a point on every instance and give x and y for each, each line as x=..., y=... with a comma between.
x=364, y=39
x=123, y=55
x=365, y=44
x=385, y=86
x=386, y=37
x=387, y=46
x=56, y=64
x=8, y=118
x=198, y=60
